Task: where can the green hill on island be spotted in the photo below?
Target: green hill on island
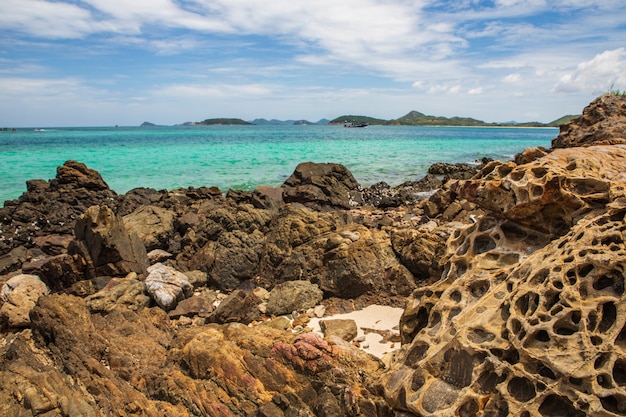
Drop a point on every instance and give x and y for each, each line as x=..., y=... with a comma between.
x=357, y=120
x=222, y=121
x=415, y=118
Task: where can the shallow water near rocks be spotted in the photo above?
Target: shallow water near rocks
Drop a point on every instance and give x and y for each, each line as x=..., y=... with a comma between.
x=244, y=157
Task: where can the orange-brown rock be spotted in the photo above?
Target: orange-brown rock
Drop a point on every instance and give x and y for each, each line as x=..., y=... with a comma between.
x=602, y=122
x=553, y=192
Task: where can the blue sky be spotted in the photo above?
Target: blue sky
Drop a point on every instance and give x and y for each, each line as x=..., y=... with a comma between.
x=107, y=62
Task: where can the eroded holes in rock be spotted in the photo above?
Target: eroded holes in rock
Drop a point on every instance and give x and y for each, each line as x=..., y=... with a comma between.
x=522, y=196
x=575, y=381
x=542, y=336
x=468, y=409
x=479, y=288
x=601, y=360
x=509, y=286
x=612, y=280
x=605, y=381
x=417, y=381
x=511, y=356
x=546, y=372
x=461, y=268
x=525, y=414
x=541, y=386
x=506, y=258
x=480, y=336
x=454, y=312
x=512, y=231
x=596, y=340
x=568, y=325
x=487, y=382
x=614, y=403
x=584, y=270
x=539, y=172
x=435, y=319
x=517, y=175
x=556, y=406
x=503, y=170
x=462, y=250
x=609, y=315
x=499, y=277
x=416, y=354
x=455, y=296
x=620, y=340
x=558, y=285
x=521, y=389
x=592, y=320
x=540, y=276
x=537, y=191
x=619, y=372
x=459, y=368
x=571, y=166
x=556, y=310
x=421, y=318
x=568, y=259
x=486, y=223
x=527, y=304
x=551, y=299
x=483, y=243
x=516, y=327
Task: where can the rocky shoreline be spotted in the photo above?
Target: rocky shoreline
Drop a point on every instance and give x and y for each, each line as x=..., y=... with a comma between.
x=195, y=302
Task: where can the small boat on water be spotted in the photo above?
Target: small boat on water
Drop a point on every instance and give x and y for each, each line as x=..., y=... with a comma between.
x=354, y=124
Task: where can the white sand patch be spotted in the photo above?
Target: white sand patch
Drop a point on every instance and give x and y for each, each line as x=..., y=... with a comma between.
x=375, y=317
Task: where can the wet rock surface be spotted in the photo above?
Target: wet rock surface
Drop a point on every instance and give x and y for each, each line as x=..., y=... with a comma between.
x=511, y=275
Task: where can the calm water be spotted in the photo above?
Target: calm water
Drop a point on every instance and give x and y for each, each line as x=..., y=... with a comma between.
x=244, y=157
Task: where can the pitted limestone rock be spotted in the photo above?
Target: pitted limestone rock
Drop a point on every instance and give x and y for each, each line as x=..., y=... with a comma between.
x=553, y=192
x=602, y=121
x=546, y=337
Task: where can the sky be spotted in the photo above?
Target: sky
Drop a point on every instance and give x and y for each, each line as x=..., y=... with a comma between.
x=121, y=62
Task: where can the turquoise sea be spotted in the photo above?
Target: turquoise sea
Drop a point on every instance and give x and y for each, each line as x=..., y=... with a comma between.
x=243, y=157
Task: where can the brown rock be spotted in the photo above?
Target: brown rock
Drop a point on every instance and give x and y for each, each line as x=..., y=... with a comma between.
x=345, y=329
x=154, y=226
x=291, y=296
x=240, y=306
x=602, y=122
x=322, y=185
x=103, y=241
x=552, y=193
x=19, y=295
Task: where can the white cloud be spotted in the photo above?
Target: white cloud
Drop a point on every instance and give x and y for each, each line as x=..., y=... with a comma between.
x=475, y=91
x=596, y=75
x=512, y=78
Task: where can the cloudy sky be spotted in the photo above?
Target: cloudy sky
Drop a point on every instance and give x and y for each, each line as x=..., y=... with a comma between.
x=106, y=62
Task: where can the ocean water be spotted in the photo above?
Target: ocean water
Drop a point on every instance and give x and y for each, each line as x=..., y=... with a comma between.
x=243, y=157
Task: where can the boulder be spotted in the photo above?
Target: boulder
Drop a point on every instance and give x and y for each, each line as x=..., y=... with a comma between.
x=506, y=336
x=239, y=306
x=291, y=296
x=119, y=293
x=167, y=286
x=345, y=329
x=102, y=239
x=345, y=260
x=51, y=208
x=19, y=295
x=551, y=193
x=322, y=185
x=154, y=226
x=201, y=305
x=603, y=122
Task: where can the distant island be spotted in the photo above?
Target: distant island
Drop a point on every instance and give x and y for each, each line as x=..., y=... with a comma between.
x=222, y=121
x=415, y=118
x=412, y=118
